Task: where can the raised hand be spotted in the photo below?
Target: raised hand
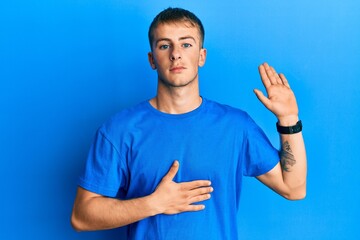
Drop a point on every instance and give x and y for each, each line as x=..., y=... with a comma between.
x=280, y=98
x=172, y=197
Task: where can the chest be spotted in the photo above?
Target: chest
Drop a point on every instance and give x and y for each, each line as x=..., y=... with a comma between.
x=204, y=153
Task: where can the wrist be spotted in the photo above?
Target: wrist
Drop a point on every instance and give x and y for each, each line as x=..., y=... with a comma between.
x=290, y=120
x=153, y=205
x=289, y=129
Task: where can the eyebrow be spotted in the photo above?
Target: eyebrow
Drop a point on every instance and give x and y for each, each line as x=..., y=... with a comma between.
x=169, y=40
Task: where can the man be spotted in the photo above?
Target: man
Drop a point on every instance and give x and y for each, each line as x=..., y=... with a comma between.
x=172, y=167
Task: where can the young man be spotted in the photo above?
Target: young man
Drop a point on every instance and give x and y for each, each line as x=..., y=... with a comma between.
x=172, y=167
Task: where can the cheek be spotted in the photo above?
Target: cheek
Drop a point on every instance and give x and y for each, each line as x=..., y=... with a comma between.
x=197, y=60
x=160, y=60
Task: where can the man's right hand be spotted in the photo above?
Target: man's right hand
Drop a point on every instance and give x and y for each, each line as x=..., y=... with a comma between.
x=171, y=197
x=95, y=212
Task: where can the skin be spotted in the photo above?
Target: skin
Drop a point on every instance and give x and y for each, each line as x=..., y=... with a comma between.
x=176, y=56
x=95, y=212
x=288, y=178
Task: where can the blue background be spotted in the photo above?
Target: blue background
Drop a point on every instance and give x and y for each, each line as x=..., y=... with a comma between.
x=66, y=66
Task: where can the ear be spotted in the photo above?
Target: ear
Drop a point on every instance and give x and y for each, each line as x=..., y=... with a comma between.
x=151, y=60
x=202, y=57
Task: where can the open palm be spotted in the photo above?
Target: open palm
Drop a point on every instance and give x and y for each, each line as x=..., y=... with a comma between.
x=280, y=98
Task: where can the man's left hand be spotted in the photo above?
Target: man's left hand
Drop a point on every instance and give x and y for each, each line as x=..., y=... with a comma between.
x=280, y=98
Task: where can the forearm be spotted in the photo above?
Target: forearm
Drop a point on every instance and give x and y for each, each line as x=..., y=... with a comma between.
x=289, y=177
x=94, y=212
x=98, y=212
x=293, y=161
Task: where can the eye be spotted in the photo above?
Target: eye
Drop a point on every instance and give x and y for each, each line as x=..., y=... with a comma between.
x=164, y=47
x=187, y=45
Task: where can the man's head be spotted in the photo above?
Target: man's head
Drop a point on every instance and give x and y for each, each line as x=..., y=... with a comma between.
x=176, y=39
x=174, y=16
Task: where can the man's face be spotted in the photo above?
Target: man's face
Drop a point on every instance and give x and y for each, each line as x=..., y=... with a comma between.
x=176, y=54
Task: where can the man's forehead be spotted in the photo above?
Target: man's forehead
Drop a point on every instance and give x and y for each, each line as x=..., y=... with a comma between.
x=176, y=30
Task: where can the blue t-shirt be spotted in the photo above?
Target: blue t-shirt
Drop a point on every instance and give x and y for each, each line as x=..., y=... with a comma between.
x=135, y=149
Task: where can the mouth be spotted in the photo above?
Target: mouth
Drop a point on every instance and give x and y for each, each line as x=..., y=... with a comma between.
x=177, y=69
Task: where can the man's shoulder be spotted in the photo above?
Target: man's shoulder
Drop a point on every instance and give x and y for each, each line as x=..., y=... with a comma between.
x=131, y=112
x=126, y=118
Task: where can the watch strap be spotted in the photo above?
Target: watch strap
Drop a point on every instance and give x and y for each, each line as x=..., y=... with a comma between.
x=289, y=129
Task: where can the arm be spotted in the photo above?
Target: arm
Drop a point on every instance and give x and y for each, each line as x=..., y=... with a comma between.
x=94, y=212
x=288, y=178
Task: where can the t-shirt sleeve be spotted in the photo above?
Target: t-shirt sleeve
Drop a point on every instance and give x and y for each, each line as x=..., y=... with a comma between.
x=105, y=172
x=259, y=154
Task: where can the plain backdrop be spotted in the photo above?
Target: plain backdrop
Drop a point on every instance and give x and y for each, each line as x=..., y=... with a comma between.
x=68, y=65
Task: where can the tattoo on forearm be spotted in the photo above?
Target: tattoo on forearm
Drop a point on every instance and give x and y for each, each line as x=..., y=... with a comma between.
x=286, y=157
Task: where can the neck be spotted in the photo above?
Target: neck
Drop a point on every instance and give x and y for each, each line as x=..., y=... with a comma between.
x=176, y=100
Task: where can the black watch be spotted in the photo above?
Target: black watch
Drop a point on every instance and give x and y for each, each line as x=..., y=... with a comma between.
x=290, y=129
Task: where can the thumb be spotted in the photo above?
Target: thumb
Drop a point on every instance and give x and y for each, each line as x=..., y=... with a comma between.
x=172, y=172
x=259, y=94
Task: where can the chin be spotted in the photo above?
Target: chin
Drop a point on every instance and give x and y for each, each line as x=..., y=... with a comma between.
x=178, y=83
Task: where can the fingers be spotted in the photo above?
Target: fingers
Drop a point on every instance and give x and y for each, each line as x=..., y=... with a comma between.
x=188, y=208
x=172, y=172
x=195, y=184
x=181, y=197
x=284, y=80
x=275, y=75
x=262, y=98
x=194, y=208
x=197, y=194
x=264, y=77
x=194, y=197
x=269, y=76
x=200, y=194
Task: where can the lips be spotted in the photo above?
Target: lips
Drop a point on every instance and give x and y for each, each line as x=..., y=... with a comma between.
x=177, y=69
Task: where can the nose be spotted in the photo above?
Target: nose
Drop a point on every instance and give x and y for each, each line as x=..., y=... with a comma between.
x=175, y=54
